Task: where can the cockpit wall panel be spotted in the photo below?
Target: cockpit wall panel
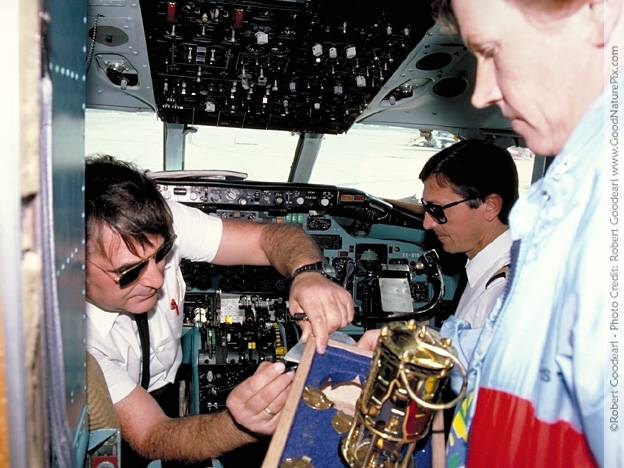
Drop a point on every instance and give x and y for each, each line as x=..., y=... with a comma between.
x=62, y=225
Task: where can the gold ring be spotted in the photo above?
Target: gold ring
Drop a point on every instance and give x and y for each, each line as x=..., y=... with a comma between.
x=269, y=411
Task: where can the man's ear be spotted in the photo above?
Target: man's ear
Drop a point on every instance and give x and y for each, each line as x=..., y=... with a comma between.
x=493, y=204
x=603, y=16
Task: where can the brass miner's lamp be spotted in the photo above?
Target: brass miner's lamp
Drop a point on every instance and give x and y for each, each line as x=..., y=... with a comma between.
x=410, y=368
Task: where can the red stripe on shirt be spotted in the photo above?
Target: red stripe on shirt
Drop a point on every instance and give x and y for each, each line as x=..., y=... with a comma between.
x=506, y=433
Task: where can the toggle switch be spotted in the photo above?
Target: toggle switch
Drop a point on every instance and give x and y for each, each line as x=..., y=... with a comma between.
x=262, y=80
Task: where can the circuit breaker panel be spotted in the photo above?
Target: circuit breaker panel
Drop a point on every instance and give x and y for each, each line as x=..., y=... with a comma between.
x=297, y=65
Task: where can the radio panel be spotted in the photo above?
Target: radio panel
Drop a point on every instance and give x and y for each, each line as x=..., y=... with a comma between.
x=256, y=195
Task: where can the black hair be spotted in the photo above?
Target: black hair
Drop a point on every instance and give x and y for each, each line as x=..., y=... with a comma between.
x=121, y=197
x=476, y=169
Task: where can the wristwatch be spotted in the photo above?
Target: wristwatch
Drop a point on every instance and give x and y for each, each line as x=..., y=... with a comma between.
x=323, y=268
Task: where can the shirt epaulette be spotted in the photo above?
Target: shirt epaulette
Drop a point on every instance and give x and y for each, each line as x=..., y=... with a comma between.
x=500, y=273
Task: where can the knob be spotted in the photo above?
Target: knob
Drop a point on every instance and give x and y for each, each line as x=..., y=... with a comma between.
x=324, y=202
x=299, y=200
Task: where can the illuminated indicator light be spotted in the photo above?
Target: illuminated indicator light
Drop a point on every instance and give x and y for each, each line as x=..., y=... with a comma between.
x=280, y=351
x=229, y=319
x=360, y=198
x=171, y=12
x=346, y=198
x=251, y=345
x=238, y=18
x=343, y=254
x=379, y=443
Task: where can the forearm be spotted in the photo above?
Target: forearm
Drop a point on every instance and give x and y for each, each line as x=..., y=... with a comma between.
x=195, y=438
x=287, y=247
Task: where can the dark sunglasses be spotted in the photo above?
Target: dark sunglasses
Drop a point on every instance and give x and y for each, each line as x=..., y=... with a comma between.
x=437, y=211
x=130, y=275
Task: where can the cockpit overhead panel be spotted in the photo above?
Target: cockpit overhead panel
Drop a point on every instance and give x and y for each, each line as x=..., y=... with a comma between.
x=297, y=65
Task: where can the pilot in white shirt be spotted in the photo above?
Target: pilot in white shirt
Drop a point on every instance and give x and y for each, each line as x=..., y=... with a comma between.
x=135, y=291
x=469, y=189
x=113, y=339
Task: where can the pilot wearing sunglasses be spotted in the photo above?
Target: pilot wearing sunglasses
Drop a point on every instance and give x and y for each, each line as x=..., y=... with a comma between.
x=135, y=293
x=469, y=189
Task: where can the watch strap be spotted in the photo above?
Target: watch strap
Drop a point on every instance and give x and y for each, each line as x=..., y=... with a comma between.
x=316, y=266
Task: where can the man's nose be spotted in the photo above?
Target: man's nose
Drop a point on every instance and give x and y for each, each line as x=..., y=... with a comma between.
x=153, y=275
x=486, y=91
x=429, y=223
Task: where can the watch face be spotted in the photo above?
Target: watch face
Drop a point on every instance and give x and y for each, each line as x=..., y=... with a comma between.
x=329, y=270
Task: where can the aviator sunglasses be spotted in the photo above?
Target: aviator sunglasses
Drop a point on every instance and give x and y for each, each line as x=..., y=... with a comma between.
x=131, y=274
x=437, y=211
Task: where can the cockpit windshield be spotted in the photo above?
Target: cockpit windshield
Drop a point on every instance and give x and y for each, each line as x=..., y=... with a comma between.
x=381, y=160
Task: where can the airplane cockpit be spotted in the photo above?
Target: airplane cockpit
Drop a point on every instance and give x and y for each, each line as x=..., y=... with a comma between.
x=311, y=69
x=306, y=112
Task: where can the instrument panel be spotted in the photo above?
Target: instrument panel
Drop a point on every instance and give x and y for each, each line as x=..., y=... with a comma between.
x=237, y=316
x=296, y=65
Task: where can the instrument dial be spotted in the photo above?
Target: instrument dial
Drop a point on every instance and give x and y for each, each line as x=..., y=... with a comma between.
x=232, y=194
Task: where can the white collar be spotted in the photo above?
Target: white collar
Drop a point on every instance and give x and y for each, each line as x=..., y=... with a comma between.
x=481, y=263
x=102, y=320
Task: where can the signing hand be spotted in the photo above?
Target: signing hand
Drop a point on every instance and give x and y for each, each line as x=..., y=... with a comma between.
x=257, y=401
x=328, y=306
